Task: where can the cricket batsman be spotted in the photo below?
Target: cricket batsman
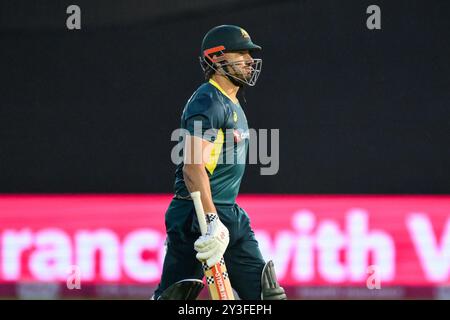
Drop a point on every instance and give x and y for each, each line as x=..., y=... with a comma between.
x=212, y=116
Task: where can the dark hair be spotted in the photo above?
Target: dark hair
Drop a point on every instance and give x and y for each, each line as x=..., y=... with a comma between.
x=209, y=72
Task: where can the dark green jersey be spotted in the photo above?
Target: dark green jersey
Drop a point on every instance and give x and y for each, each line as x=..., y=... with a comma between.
x=223, y=123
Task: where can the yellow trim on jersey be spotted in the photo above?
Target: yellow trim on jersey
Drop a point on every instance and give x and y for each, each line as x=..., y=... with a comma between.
x=215, y=84
x=215, y=152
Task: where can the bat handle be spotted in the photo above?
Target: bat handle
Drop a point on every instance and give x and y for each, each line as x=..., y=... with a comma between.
x=196, y=198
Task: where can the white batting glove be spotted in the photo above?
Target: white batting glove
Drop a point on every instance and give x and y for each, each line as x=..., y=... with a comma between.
x=213, y=244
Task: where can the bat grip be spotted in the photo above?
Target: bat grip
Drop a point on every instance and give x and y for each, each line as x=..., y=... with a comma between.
x=196, y=198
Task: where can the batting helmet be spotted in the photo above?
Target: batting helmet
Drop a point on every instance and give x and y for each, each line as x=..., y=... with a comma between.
x=229, y=38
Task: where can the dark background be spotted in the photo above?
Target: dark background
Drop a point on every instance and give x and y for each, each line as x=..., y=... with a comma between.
x=92, y=110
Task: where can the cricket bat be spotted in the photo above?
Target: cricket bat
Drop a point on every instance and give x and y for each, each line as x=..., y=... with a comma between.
x=217, y=279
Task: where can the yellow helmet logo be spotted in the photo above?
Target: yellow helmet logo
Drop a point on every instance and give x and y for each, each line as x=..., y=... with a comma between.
x=245, y=34
x=235, y=118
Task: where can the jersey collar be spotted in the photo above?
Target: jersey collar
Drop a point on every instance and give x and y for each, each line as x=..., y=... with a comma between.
x=215, y=84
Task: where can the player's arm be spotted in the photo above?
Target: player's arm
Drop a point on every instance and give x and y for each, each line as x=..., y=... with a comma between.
x=211, y=246
x=196, y=155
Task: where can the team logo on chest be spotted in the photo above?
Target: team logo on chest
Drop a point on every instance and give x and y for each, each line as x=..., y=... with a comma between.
x=235, y=117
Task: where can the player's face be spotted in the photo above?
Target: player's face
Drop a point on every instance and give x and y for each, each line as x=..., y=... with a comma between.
x=240, y=65
x=241, y=62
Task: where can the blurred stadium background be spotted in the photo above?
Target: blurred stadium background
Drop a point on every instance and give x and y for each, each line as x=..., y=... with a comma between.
x=362, y=196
